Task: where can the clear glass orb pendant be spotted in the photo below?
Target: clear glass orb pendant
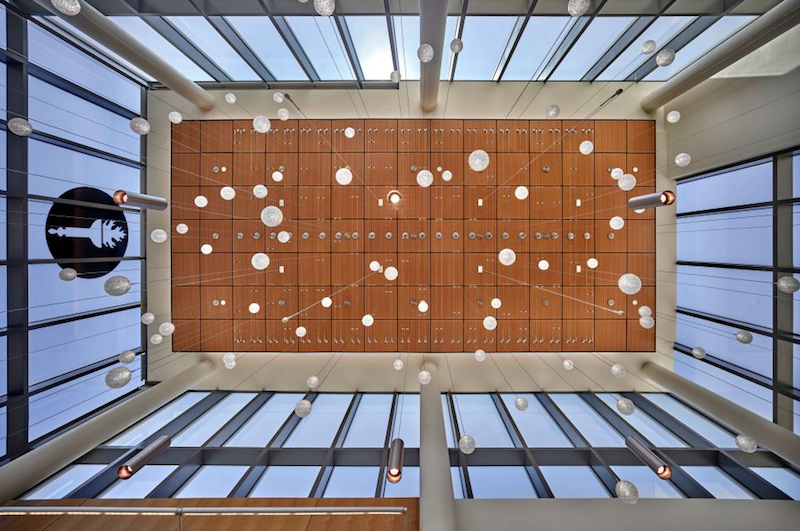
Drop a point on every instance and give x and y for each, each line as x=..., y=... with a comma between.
x=140, y=126
x=699, y=352
x=466, y=444
x=673, y=117
x=788, y=285
x=20, y=126
x=553, y=111
x=117, y=286
x=478, y=160
x=456, y=45
x=425, y=53
x=626, y=406
x=627, y=492
x=118, y=377
x=578, y=8
x=480, y=355
x=272, y=216
x=67, y=274
x=665, y=57
x=325, y=8
x=507, y=257
x=629, y=284
x=648, y=47
x=67, y=7
x=175, y=117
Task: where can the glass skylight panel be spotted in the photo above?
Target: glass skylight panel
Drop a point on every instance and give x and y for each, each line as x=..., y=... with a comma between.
x=201, y=430
x=406, y=34
x=706, y=428
x=535, y=424
x=598, y=37
x=155, y=421
x=703, y=43
x=260, y=34
x=592, y=426
x=140, y=484
x=648, y=484
x=500, y=482
x=573, y=482
x=285, y=482
x=262, y=426
x=485, y=41
x=368, y=429
x=141, y=31
x=212, y=481
x=540, y=39
x=654, y=432
x=406, y=423
x=206, y=38
x=321, y=42
x=662, y=30
x=718, y=483
x=478, y=416
x=318, y=429
x=785, y=479
x=371, y=40
x=64, y=482
x=352, y=482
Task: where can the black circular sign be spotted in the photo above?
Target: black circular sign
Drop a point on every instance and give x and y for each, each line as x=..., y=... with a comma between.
x=77, y=231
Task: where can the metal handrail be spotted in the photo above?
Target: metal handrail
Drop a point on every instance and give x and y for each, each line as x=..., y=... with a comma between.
x=22, y=510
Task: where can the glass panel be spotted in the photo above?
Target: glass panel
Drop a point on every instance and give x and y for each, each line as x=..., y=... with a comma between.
x=157, y=420
x=703, y=426
x=319, y=428
x=201, y=430
x=573, y=482
x=59, y=349
x=796, y=175
x=718, y=483
x=710, y=38
x=455, y=476
x=3, y=300
x=3, y=158
x=740, y=295
x=2, y=26
x=3, y=426
x=785, y=479
x=407, y=487
x=540, y=39
x=654, y=432
x=320, y=39
x=743, y=237
x=53, y=54
x=406, y=423
x=500, y=482
x=448, y=422
x=285, y=482
x=596, y=39
x=212, y=481
x=352, y=482
x=140, y=484
x=406, y=31
x=150, y=38
x=3, y=94
x=648, y=484
x=262, y=426
x=368, y=429
x=536, y=425
x=3, y=373
x=588, y=422
x=478, y=417
x=485, y=41
x=737, y=186
x=210, y=42
x=371, y=40
x=64, y=482
x=260, y=34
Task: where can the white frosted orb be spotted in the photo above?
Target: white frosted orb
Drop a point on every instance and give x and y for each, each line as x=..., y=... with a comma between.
x=673, y=117
x=300, y=331
x=277, y=97
x=206, y=249
x=683, y=159
x=648, y=47
x=586, y=147
x=578, y=8
x=201, y=201
x=140, y=126
x=272, y=216
x=629, y=284
x=166, y=329
x=344, y=176
x=422, y=306
x=507, y=257
x=229, y=357
x=466, y=444
x=645, y=311
x=424, y=178
x=626, y=406
x=260, y=261
x=456, y=45
x=67, y=7
x=230, y=365
x=665, y=57
x=489, y=323
x=521, y=403
x=424, y=377
x=647, y=322
x=592, y=263
x=480, y=355
x=425, y=53
x=117, y=285
x=544, y=265
x=627, y=182
x=395, y=76
x=349, y=132
x=261, y=124
x=744, y=337
x=230, y=97
x=20, y=126
x=277, y=176
x=67, y=274
x=325, y=8
x=181, y=228
x=618, y=370
x=627, y=492
x=746, y=444
x=398, y=364
x=326, y=302
x=478, y=160
x=283, y=115
x=158, y=235
x=260, y=191
x=553, y=111
x=496, y=303
x=568, y=365
x=126, y=356
x=148, y=318
x=699, y=352
x=312, y=382
x=374, y=266
x=254, y=308
x=788, y=285
x=118, y=377
x=521, y=192
x=156, y=339
x=616, y=223
x=175, y=117
x=303, y=408
x=227, y=193
x=616, y=173
x=368, y=320
x=390, y=273
x=447, y=175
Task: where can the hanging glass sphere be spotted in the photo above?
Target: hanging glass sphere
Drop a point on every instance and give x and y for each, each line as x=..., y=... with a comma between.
x=456, y=45
x=673, y=117
x=175, y=117
x=254, y=308
x=616, y=173
x=648, y=47
x=228, y=357
x=496, y=303
x=126, y=356
x=349, y=132
x=227, y=193
x=395, y=76
x=260, y=191
x=592, y=263
x=645, y=310
x=507, y=257
x=158, y=235
x=201, y=201
x=390, y=273
x=422, y=306
x=466, y=444
x=181, y=228
x=627, y=182
x=230, y=365
x=374, y=266
x=553, y=111
x=489, y=323
x=665, y=57
x=230, y=97
x=148, y=318
x=424, y=377
x=156, y=339
x=788, y=285
x=626, y=406
x=578, y=8
x=521, y=192
x=260, y=261
x=627, y=492
x=312, y=382
x=344, y=176
x=616, y=223
x=367, y=320
x=118, y=377
x=478, y=160
x=447, y=175
x=618, y=370
x=744, y=337
x=746, y=444
x=480, y=355
x=117, y=285
x=683, y=159
x=568, y=365
x=206, y=249
x=647, y=322
x=300, y=331
x=67, y=274
x=283, y=115
x=166, y=329
x=324, y=7
x=398, y=364
x=277, y=97
x=424, y=178
x=67, y=7
x=20, y=126
x=521, y=403
x=261, y=124
x=586, y=147
x=326, y=302
x=544, y=265
x=277, y=176
x=272, y=216
x=303, y=408
x=425, y=53
x=699, y=352
x=140, y=126
x=629, y=284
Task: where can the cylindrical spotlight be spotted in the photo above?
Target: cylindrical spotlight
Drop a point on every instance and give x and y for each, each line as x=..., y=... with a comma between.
x=144, y=457
x=394, y=472
x=143, y=201
x=657, y=199
x=648, y=457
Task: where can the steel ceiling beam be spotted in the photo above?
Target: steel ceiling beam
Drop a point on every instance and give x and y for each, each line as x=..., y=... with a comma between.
x=186, y=47
x=350, y=49
x=392, y=36
x=289, y=38
x=462, y=18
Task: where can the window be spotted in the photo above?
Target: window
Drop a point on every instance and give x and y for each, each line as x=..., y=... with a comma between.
x=140, y=484
x=710, y=430
x=541, y=37
x=155, y=421
x=718, y=483
x=352, y=482
x=259, y=430
x=598, y=37
x=66, y=481
x=206, y=38
x=406, y=425
x=742, y=185
x=371, y=420
x=785, y=479
x=3, y=424
x=644, y=424
x=371, y=40
x=407, y=487
x=486, y=40
x=260, y=34
x=285, y=482
x=573, y=482
x=319, y=428
x=536, y=425
x=742, y=237
x=500, y=482
x=320, y=39
x=478, y=417
x=212, y=481
x=740, y=295
x=590, y=424
x=199, y=431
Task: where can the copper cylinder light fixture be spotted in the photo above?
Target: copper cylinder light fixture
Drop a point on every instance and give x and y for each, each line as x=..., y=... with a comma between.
x=654, y=200
x=394, y=471
x=143, y=201
x=648, y=457
x=144, y=457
